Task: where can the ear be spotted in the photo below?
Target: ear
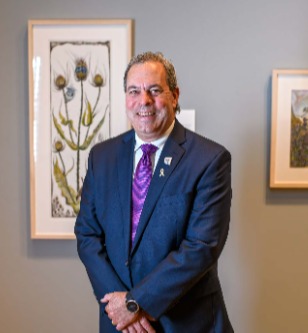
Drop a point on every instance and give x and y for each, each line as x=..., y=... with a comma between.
x=176, y=95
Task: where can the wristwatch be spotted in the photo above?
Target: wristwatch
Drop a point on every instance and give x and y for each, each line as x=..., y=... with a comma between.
x=131, y=305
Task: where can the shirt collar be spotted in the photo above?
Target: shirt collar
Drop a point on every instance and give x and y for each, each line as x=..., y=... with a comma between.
x=158, y=143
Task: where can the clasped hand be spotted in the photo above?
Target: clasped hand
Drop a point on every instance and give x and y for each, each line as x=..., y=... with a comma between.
x=121, y=318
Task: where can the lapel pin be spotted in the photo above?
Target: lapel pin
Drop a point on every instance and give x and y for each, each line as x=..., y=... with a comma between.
x=168, y=160
x=161, y=172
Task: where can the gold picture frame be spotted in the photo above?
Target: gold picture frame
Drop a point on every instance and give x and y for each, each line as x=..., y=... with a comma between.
x=76, y=99
x=289, y=129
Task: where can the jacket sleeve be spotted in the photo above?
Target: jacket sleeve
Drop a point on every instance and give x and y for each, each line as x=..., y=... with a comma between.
x=205, y=236
x=91, y=241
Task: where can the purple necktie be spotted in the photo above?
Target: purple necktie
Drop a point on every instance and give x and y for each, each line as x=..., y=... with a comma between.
x=141, y=183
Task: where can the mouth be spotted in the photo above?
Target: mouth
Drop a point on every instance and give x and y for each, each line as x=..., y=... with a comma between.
x=145, y=114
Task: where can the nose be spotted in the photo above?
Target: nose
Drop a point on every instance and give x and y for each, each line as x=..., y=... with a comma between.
x=145, y=97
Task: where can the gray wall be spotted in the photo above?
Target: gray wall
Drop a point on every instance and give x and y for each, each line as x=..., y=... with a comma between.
x=224, y=52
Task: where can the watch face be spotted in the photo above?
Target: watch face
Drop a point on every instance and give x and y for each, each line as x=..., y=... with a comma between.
x=132, y=306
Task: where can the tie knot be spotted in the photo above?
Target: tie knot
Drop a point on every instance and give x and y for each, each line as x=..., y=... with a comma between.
x=148, y=149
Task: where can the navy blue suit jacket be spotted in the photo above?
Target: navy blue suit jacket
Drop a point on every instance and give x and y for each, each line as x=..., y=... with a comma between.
x=171, y=270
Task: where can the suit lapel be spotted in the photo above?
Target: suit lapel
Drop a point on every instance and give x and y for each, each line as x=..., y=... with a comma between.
x=172, y=150
x=125, y=173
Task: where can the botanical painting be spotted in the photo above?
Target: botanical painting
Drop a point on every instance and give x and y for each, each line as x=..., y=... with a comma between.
x=79, y=116
x=299, y=129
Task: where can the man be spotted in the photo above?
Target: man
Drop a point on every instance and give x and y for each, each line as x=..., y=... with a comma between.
x=154, y=268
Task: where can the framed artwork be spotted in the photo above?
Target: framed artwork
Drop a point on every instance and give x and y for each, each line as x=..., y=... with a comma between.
x=289, y=133
x=187, y=117
x=76, y=99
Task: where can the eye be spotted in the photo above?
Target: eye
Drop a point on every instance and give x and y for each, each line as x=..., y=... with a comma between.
x=155, y=91
x=133, y=92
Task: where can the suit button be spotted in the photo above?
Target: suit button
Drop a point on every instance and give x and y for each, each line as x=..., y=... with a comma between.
x=126, y=263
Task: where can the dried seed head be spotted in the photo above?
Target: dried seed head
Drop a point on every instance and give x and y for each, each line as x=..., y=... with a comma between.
x=98, y=80
x=60, y=82
x=81, y=70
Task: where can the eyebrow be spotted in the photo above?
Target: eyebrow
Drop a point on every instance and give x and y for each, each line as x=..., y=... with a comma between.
x=155, y=85
x=132, y=86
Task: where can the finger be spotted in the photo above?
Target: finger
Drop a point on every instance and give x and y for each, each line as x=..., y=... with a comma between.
x=146, y=325
x=106, y=298
x=138, y=327
x=131, y=329
x=124, y=324
x=106, y=310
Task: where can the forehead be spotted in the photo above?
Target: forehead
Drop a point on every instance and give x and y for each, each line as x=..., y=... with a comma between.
x=147, y=73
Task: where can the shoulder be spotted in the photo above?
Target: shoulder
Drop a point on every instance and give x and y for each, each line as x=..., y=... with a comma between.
x=107, y=151
x=112, y=144
x=203, y=145
x=190, y=140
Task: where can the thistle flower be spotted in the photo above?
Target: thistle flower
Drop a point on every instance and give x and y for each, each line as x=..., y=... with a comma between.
x=58, y=146
x=81, y=70
x=60, y=82
x=69, y=93
x=98, y=80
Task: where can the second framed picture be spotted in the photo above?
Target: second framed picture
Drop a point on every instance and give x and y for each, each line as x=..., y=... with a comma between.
x=289, y=134
x=77, y=99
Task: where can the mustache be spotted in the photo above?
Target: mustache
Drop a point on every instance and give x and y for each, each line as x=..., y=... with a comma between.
x=146, y=109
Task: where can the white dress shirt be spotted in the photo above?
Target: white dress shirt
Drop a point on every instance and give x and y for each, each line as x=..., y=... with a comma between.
x=159, y=143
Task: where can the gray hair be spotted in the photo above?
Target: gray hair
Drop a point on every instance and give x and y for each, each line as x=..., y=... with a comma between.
x=154, y=57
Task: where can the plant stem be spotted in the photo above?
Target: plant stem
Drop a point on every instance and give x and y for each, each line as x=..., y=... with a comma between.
x=78, y=135
x=66, y=183
x=67, y=116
